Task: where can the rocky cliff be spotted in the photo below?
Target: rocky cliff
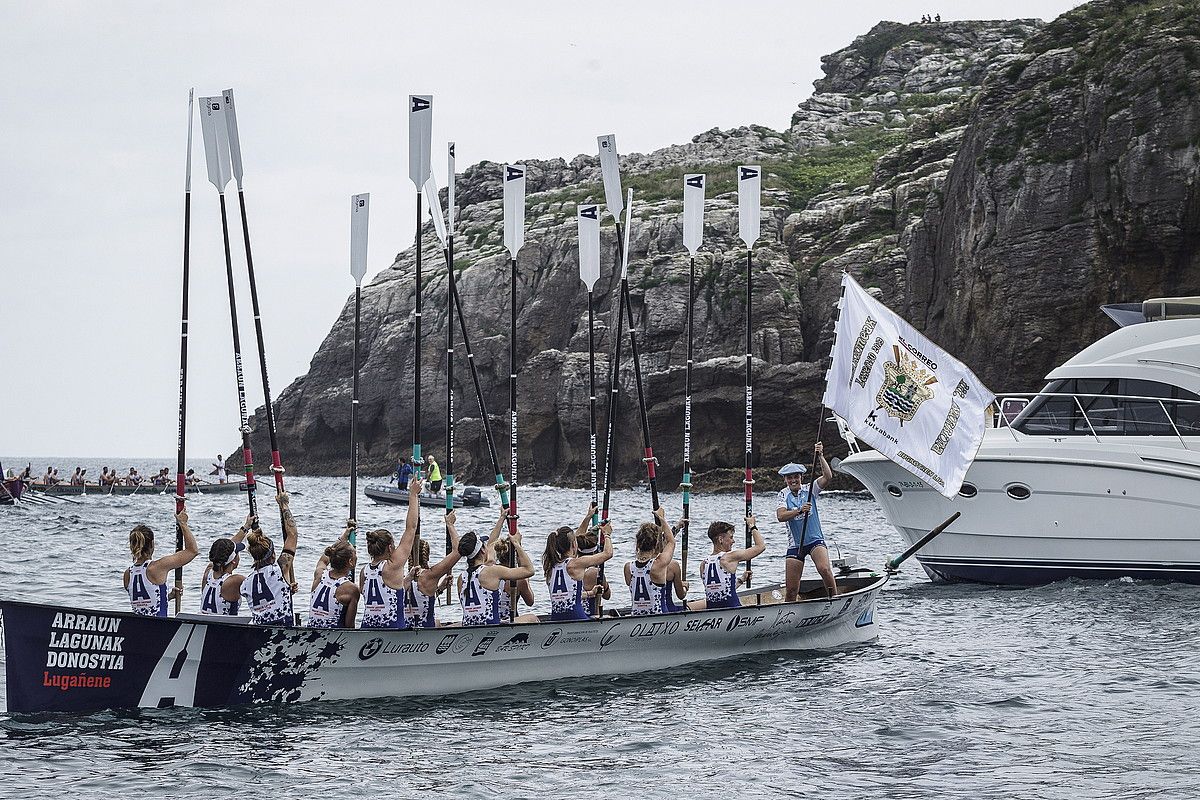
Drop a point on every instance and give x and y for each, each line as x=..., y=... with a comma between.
x=996, y=181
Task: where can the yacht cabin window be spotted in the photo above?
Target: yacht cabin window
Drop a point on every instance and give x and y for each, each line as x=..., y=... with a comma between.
x=1113, y=407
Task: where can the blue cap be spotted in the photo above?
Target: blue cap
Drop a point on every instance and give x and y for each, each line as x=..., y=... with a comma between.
x=793, y=469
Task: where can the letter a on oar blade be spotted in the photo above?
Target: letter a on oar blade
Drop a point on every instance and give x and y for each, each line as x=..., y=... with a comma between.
x=420, y=137
x=360, y=211
x=435, y=208
x=450, y=186
x=514, y=208
x=235, y=144
x=610, y=170
x=693, y=212
x=216, y=140
x=589, y=244
x=749, y=190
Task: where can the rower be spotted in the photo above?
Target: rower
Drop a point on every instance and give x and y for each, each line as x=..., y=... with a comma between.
x=266, y=592
x=520, y=590
x=219, y=469
x=719, y=570
x=594, y=584
x=647, y=574
x=564, y=568
x=424, y=583
x=334, y=594
x=221, y=587
x=481, y=584
x=146, y=579
x=677, y=587
x=382, y=580
x=794, y=503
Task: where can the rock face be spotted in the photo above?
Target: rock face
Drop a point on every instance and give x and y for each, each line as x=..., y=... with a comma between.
x=997, y=181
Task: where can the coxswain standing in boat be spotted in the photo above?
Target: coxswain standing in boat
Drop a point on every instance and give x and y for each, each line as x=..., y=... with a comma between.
x=646, y=575
x=564, y=568
x=268, y=589
x=335, y=595
x=221, y=587
x=795, y=500
x=382, y=580
x=424, y=583
x=219, y=469
x=146, y=579
x=480, y=588
x=719, y=569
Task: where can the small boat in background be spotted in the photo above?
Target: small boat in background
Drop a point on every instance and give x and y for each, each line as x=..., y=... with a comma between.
x=470, y=497
x=13, y=489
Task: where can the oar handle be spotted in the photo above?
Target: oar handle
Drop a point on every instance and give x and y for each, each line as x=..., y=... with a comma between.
x=894, y=563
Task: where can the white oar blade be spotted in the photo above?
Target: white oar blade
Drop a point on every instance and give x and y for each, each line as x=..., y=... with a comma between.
x=435, y=208
x=235, y=145
x=360, y=211
x=216, y=140
x=420, y=137
x=749, y=194
x=514, y=208
x=693, y=212
x=628, y=226
x=589, y=244
x=187, y=186
x=450, y=186
x=610, y=169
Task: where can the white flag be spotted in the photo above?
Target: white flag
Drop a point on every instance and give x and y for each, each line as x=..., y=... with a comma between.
x=904, y=395
x=360, y=210
x=514, y=208
x=693, y=212
x=589, y=244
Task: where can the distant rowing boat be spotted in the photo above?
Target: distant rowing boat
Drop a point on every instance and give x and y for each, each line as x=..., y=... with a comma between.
x=470, y=497
x=68, y=659
x=67, y=490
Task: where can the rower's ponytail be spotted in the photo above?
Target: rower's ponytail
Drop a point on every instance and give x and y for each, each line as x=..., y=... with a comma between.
x=558, y=544
x=340, y=554
x=259, y=546
x=141, y=542
x=466, y=546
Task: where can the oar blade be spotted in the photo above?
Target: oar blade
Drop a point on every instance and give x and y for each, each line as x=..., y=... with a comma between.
x=610, y=170
x=235, y=145
x=435, y=208
x=693, y=212
x=589, y=244
x=514, y=208
x=628, y=226
x=360, y=212
x=420, y=137
x=216, y=140
x=450, y=186
x=749, y=198
x=187, y=184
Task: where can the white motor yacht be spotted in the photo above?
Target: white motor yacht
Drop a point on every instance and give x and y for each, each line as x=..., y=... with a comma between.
x=1096, y=476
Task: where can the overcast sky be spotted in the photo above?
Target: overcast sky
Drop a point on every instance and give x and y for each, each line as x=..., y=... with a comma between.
x=93, y=105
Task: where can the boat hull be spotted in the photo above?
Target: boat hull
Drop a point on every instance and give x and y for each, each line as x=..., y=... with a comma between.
x=67, y=490
x=63, y=659
x=390, y=494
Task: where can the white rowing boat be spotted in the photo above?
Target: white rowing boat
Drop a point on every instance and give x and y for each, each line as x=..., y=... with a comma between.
x=68, y=659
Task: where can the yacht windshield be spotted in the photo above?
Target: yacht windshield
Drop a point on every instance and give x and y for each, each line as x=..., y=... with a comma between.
x=1111, y=406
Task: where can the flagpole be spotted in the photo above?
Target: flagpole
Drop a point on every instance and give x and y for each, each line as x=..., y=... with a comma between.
x=514, y=237
x=360, y=210
x=216, y=150
x=450, y=277
x=420, y=132
x=749, y=226
x=693, y=236
x=180, y=475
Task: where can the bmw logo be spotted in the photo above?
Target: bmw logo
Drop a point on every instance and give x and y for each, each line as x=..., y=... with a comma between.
x=369, y=649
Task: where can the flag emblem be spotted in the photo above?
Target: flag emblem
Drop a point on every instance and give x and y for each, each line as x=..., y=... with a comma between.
x=905, y=387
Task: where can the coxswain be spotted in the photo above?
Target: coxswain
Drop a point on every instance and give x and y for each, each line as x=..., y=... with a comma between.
x=564, y=568
x=266, y=591
x=719, y=570
x=424, y=583
x=382, y=580
x=481, y=584
x=219, y=469
x=335, y=595
x=220, y=588
x=647, y=574
x=146, y=579
x=794, y=503
x=521, y=590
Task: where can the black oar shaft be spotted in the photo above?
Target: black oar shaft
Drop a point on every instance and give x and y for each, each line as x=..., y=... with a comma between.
x=247, y=453
x=512, y=421
x=418, y=458
x=748, y=481
x=354, y=409
x=180, y=466
x=894, y=563
x=686, y=485
x=592, y=406
x=648, y=446
x=449, y=472
x=614, y=383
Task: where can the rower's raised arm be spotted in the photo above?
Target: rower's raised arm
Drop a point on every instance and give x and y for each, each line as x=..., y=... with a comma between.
x=410, y=521
x=500, y=522
x=587, y=521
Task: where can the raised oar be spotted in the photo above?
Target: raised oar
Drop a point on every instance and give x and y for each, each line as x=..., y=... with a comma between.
x=180, y=467
x=514, y=237
x=749, y=191
x=360, y=212
x=216, y=153
x=439, y=226
x=420, y=139
x=449, y=471
x=614, y=202
x=693, y=237
x=235, y=152
x=588, y=218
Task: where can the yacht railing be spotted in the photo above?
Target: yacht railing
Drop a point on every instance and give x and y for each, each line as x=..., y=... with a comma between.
x=1113, y=415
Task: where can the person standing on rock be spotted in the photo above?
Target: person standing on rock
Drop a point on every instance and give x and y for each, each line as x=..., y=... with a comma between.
x=795, y=501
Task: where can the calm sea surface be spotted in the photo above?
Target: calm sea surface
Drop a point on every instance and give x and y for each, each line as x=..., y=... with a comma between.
x=1072, y=690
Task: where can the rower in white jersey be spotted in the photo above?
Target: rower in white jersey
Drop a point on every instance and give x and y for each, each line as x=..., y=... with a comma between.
x=382, y=580
x=334, y=593
x=719, y=569
x=220, y=588
x=480, y=585
x=647, y=575
x=424, y=583
x=521, y=591
x=267, y=591
x=564, y=568
x=146, y=579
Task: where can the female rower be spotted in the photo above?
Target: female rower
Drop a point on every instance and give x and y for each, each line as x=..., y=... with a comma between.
x=564, y=568
x=647, y=574
x=334, y=594
x=382, y=580
x=146, y=579
x=520, y=590
x=221, y=587
x=719, y=570
x=481, y=584
x=594, y=583
x=268, y=589
x=424, y=583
